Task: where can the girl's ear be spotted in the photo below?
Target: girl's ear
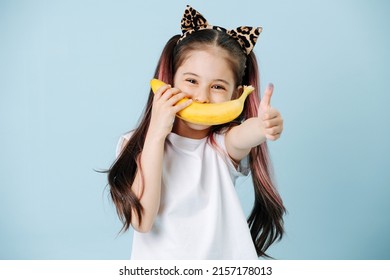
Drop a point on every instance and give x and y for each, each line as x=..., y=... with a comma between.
x=237, y=93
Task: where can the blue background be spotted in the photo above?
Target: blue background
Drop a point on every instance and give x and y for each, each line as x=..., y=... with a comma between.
x=74, y=76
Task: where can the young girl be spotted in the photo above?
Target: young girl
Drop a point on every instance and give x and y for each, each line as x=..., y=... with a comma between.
x=173, y=181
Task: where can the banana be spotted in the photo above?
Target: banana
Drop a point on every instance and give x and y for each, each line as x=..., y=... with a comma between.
x=209, y=113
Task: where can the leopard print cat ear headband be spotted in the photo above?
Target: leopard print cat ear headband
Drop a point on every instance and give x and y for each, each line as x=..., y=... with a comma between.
x=193, y=21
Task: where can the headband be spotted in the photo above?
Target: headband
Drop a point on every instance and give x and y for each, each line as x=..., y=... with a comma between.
x=193, y=21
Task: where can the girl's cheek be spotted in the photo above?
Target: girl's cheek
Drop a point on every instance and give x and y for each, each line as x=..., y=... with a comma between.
x=220, y=98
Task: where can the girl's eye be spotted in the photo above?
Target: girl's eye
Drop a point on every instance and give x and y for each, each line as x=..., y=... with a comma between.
x=192, y=81
x=218, y=87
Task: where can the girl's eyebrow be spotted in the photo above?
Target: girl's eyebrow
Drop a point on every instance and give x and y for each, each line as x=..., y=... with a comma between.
x=190, y=73
x=222, y=81
x=216, y=80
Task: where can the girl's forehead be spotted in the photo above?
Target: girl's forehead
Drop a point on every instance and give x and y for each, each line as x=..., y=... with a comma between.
x=211, y=49
x=209, y=64
x=207, y=55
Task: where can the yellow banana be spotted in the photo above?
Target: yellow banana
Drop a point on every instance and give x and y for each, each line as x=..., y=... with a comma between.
x=209, y=113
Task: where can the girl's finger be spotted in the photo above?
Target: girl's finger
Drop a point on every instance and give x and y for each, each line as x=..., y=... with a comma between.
x=271, y=113
x=168, y=93
x=161, y=91
x=273, y=122
x=273, y=137
x=176, y=98
x=265, y=102
x=182, y=105
x=274, y=130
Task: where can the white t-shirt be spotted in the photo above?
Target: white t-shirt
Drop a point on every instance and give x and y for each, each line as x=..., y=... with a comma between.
x=200, y=215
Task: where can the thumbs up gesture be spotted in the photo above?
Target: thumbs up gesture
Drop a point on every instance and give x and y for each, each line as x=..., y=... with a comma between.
x=272, y=120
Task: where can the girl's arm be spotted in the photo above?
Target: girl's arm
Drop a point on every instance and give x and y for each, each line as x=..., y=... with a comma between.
x=252, y=132
x=147, y=182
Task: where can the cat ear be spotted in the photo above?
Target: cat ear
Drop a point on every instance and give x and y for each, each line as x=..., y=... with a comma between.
x=246, y=36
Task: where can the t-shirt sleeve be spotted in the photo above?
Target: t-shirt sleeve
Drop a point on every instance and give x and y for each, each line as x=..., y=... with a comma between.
x=121, y=143
x=243, y=168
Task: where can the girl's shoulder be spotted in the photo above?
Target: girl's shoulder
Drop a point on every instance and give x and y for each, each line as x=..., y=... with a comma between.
x=241, y=168
x=219, y=137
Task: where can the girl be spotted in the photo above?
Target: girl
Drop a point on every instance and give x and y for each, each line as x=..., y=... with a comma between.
x=173, y=181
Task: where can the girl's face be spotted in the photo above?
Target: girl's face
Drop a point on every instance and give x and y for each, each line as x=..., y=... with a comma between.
x=206, y=77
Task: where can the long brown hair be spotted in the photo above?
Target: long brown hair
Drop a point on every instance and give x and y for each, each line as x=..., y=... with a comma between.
x=266, y=218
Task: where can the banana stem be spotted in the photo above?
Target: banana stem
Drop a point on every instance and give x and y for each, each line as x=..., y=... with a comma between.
x=247, y=90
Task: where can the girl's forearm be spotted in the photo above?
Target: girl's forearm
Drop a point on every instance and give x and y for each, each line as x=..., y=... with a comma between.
x=242, y=138
x=148, y=187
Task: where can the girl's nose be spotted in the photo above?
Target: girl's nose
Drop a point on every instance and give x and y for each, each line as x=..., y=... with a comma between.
x=202, y=96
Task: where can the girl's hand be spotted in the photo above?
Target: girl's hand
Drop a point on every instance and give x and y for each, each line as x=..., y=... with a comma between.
x=164, y=110
x=252, y=132
x=271, y=118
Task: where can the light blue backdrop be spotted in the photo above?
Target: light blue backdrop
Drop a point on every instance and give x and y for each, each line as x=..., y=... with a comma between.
x=74, y=76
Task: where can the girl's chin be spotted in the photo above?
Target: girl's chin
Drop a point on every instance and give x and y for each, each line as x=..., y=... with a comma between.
x=190, y=130
x=199, y=127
